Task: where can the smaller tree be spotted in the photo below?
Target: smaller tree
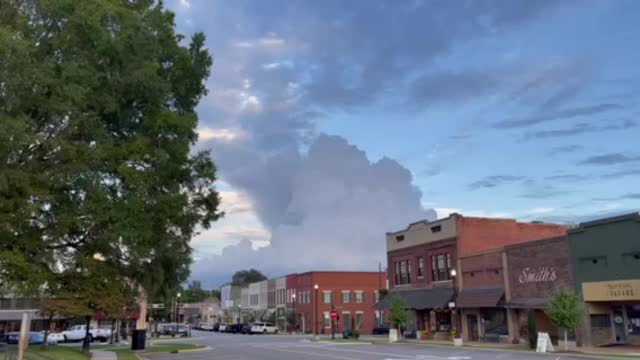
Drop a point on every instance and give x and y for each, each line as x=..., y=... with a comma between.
x=398, y=312
x=292, y=319
x=564, y=311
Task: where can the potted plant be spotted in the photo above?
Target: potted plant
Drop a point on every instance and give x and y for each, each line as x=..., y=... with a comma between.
x=457, y=340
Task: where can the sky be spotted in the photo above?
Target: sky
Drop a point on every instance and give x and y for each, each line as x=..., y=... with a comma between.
x=334, y=122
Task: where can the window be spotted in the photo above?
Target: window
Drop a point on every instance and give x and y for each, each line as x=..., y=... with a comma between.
x=359, y=296
x=397, y=273
x=600, y=321
x=440, y=267
x=346, y=296
x=376, y=296
x=436, y=229
x=326, y=319
x=405, y=272
x=399, y=238
x=327, y=296
x=359, y=320
x=420, y=267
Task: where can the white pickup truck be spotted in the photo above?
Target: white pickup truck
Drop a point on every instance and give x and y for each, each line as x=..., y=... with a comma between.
x=263, y=328
x=78, y=332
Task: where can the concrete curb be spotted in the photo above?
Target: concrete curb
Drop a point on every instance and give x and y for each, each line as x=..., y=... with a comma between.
x=342, y=342
x=498, y=349
x=204, y=348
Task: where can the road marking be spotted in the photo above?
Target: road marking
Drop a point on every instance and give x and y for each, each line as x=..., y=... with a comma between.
x=316, y=354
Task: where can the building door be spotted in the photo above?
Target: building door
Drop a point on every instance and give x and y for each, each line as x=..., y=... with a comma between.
x=618, y=326
x=347, y=321
x=472, y=325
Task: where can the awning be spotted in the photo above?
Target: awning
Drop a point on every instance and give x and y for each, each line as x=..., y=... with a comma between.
x=418, y=299
x=479, y=297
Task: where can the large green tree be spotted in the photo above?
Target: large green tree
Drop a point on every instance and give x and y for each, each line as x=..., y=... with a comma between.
x=97, y=119
x=246, y=277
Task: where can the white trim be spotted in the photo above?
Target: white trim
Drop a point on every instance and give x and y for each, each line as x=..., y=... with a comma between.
x=359, y=312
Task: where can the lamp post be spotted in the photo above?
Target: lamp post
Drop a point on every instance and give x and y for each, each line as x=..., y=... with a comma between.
x=315, y=315
x=295, y=316
x=452, y=304
x=239, y=313
x=177, y=312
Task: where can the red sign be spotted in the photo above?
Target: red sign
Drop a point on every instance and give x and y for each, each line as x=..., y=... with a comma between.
x=333, y=314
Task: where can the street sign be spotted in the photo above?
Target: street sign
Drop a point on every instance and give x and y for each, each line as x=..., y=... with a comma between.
x=334, y=314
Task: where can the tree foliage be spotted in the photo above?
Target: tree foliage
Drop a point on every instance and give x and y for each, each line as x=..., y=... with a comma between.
x=564, y=311
x=97, y=118
x=246, y=277
x=398, y=312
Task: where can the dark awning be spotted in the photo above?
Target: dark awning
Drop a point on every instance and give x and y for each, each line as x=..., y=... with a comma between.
x=418, y=299
x=479, y=297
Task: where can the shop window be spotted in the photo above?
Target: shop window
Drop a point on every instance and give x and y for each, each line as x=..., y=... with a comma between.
x=633, y=314
x=420, y=267
x=632, y=259
x=593, y=263
x=495, y=321
x=359, y=320
x=600, y=321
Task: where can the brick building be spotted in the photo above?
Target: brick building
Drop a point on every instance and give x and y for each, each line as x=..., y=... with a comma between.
x=421, y=259
x=534, y=271
x=351, y=294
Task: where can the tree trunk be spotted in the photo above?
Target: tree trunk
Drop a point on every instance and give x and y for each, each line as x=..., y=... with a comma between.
x=45, y=343
x=566, y=344
x=113, y=330
x=86, y=343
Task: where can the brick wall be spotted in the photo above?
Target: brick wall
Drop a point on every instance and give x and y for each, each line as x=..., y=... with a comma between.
x=336, y=282
x=413, y=253
x=528, y=262
x=480, y=234
x=482, y=270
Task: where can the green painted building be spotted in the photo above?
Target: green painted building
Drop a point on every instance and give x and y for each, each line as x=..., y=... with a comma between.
x=605, y=258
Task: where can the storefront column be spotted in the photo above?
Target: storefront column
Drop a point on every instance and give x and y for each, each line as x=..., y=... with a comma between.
x=583, y=331
x=464, y=327
x=432, y=321
x=513, y=327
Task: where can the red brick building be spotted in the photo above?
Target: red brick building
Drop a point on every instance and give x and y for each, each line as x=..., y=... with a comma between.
x=422, y=256
x=351, y=294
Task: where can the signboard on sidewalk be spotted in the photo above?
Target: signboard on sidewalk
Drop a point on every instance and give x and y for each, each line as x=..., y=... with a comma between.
x=544, y=343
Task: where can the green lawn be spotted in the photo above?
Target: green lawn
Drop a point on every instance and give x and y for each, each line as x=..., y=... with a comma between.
x=55, y=353
x=124, y=353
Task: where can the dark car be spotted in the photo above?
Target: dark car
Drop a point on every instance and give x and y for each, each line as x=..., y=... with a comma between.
x=216, y=327
x=35, y=338
x=382, y=329
x=246, y=329
x=235, y=328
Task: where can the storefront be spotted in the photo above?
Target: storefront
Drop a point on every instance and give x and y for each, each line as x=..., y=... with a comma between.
x=484, y=317
x=613, y=309
x=535, y=270
x=428, y=309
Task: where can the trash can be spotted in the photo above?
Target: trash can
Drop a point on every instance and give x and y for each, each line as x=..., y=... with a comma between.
x=138, y=339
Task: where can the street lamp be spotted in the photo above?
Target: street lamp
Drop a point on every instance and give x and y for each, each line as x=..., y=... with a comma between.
x=315, y=315
x=452, y=304
x=177, y=312
x=239, y=313
x=295, y=316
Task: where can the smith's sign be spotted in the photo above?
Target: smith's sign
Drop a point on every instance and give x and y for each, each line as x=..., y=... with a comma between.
x=536, y=275
x=611, y=290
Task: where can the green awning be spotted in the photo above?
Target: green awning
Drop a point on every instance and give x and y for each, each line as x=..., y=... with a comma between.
x=419, y=299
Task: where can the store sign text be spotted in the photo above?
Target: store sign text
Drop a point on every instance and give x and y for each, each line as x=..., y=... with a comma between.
x=536, y=275
x=620, y=290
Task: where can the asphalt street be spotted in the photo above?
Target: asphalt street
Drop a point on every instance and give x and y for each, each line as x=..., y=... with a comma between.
x=284, y=347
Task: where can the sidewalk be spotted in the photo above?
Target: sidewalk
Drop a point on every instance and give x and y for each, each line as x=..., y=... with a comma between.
x=103, y=355
x=608, y=352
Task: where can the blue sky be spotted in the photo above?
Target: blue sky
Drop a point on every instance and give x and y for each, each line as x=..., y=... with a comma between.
x=333, y=122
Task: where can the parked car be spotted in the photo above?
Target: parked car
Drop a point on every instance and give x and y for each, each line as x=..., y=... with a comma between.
x=235, y=328
x=216, y=327
x=263, y=328
x=58, y=337
x=78, y=332
x=222, y=328
x=35, y=338
x=246, y=329
x=206, y=327
x=173, y=329
x=382, y=329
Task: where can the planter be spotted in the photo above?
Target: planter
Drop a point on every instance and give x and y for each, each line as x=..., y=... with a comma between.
x=393, y=335
x=457, y=341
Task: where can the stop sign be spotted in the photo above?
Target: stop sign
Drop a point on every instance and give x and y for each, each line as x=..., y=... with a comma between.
x=334, y=314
